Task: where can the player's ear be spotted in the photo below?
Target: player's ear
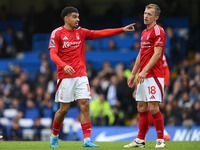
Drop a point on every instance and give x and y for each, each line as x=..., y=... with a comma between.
x=65, y=18
x=157, y=17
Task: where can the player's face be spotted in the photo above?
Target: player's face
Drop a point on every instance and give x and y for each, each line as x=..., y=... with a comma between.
x=73, y=19
x=149, y=16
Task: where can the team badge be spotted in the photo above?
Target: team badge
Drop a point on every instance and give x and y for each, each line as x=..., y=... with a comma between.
x=77, y=36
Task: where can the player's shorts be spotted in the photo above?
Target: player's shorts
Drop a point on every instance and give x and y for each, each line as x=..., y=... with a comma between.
x=152, y=89
x=71, y=89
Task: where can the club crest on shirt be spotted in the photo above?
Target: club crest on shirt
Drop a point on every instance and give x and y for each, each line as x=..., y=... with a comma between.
x=148, y=36
x=77, y=36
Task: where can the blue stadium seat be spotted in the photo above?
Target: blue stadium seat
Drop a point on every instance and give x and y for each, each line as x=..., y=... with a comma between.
x=16, y=25
x=40, y=41
x=95, y=44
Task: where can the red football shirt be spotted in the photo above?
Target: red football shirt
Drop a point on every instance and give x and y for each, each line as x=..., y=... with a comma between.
x=149, y=39
x=71, y=49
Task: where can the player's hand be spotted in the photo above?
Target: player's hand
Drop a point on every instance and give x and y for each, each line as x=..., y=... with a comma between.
x=69, y=70
x=141, y=76
x=131, y=81
x=129, y=28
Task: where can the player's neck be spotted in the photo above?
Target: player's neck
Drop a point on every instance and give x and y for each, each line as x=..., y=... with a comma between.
x=68, y=27
x=151, y=25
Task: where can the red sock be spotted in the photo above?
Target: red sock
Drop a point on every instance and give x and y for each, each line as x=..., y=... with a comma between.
x=86, y=127
x=159, y=124
x=56, y=127
x=143, y=125
x=150, y=120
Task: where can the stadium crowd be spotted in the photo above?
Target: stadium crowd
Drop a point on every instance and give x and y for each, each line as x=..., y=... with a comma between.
x=34, y=99
x=116, y=106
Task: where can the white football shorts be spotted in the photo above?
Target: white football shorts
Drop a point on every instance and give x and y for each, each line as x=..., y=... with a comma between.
x=152, y=89
x=71, y=89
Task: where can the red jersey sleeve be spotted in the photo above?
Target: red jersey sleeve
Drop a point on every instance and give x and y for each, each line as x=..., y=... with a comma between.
x=160, y=38
x=89, y=34
x=53, y=46
x=54, y=39
x=107, y=32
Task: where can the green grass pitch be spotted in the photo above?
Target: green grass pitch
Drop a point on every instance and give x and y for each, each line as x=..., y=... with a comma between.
x=77, y=145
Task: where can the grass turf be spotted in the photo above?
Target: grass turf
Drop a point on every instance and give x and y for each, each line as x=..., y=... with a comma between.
x=77, y=145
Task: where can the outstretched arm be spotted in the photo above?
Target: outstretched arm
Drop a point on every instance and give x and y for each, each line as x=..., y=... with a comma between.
x=111, y=32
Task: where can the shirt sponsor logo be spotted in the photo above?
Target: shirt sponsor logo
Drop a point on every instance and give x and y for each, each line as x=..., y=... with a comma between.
x=145, y=44
x=71, y=44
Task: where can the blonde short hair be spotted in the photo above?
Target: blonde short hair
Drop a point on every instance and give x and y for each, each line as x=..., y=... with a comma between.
x=156, y=7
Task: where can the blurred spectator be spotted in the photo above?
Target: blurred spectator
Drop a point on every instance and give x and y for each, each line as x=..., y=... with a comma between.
x=124, y=95
x=37, y=129
x=15, y=104
x=196, y=112
x=2, y=106
x=111, y=45
x=25, y=91
x=51, y=85
x=91, y=72
x=16, y=130
x=197, y=72
x=46, y=106
x=31, y=111
x=43, y=67
x=187, y=118
x=16, y=72
x=101, y=115
x=41, y=81
x=6, y=96
x=193, y=94
x=94, y=94
x=197, y=57
x=136, y=46
x=14, y=43
x=112, y=91
x=16, y=89
x=25, y=79
x=174, y=45
x=39, y=95
x=106, y=70
x=169, y=119
x=95, y=84
x=3, y=133
x=176, y=112
x=88, y=47
x=8, y=82
x=137, y=35
x=3, y=47
x=185, y=101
